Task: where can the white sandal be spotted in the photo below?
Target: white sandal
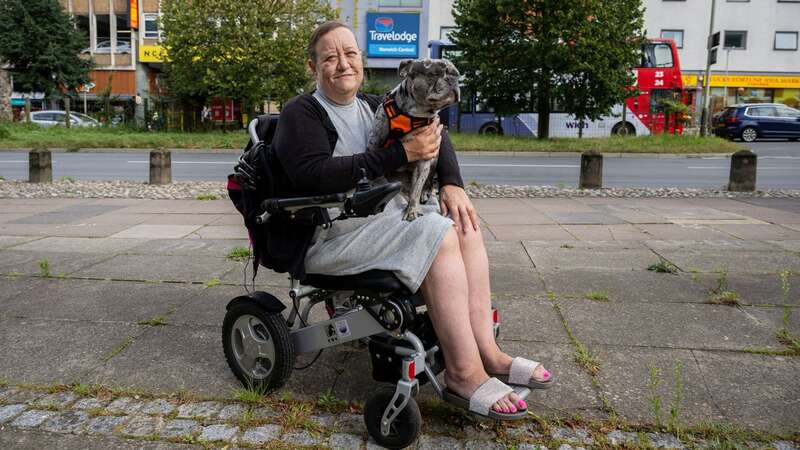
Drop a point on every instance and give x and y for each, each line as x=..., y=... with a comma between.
x=481, y=401
x=521, y=374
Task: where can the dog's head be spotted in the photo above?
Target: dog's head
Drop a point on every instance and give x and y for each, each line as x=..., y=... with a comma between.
x=431, y=84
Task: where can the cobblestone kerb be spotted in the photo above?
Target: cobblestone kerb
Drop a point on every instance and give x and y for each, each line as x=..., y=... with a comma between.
x=212, y=189
x=138, y=416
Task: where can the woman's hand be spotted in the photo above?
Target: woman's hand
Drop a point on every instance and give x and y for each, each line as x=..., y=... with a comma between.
x=454, y=200
x=423, y=143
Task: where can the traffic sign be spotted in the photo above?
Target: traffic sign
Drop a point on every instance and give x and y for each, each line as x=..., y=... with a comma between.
x=713, y=40
x=88, y=87
x=712, y=56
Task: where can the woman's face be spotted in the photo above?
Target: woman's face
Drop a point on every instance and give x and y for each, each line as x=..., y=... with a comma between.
x=338, y=68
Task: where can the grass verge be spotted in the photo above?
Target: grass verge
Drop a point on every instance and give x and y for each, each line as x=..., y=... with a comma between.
x=31, y=136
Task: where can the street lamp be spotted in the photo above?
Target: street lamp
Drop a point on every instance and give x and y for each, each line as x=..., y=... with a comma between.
x=706, y=90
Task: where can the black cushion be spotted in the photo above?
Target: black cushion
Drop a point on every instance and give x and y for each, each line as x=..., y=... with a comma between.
x=375, y=280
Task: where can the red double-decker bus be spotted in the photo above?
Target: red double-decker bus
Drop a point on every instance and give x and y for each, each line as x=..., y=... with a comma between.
x=658, y=77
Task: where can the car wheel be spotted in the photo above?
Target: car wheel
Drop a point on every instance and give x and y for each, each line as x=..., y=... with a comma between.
x=749, y=134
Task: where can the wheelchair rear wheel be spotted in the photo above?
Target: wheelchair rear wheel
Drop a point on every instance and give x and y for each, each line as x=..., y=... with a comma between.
x=405, y=428
x=258, y=347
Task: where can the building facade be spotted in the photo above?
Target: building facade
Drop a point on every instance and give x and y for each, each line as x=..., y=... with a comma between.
x=758, y=58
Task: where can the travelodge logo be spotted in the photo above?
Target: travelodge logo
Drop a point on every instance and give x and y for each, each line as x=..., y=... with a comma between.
x=384, y=24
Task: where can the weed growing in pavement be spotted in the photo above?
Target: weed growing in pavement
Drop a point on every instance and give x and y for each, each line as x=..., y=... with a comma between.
x=154, y=322
x=213, y=282
x=206, y=197
x=2, y=178
x=720, y=294
x=598, y=296
x=475, y=183
x=655, y=398
x=44, y=268
x=582, y=355
x=330, y=403
x=118, y=349
x=566, y=246
x=249, y=394
x=295, y=415
x=783, y=335
x=82, y=389
x=68, y=179
x=663, y=266
x=239, y=254
x=677, y=400
x=73, y=149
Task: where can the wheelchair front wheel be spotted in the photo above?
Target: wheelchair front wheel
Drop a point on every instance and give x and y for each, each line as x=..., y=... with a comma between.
x=258, y=347
x=405, y=428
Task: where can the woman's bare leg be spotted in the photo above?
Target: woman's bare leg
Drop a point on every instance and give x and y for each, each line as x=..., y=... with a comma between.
x=476, y=265
x=446, y=295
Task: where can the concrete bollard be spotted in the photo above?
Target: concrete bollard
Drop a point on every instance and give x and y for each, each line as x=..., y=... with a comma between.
x=591, y=170
x=160, y=167
x=40, y=166
x=743, y=171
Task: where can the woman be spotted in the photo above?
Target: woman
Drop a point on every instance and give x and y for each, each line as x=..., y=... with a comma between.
x=321, y=143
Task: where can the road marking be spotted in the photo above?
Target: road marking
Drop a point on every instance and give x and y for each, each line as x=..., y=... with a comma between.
x=13, y=162
x=557, y=166
x=227, y=163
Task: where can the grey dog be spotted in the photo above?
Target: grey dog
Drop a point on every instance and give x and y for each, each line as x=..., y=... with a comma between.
x=426, y=87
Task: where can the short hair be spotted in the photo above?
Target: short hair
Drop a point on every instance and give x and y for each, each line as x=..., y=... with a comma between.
x=320, y=31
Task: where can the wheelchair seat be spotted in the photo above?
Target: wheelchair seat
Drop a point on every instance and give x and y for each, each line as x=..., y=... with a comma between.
x=375, y=280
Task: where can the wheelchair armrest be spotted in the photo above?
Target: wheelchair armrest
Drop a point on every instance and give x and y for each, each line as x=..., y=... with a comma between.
x=275, y=205
x=371, y=201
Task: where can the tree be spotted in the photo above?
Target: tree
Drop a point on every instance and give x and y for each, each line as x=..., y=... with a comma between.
x=247, y=50
x=526, y=54
x=42, y=46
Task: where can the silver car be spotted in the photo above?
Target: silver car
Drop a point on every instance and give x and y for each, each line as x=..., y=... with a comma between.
x=54, y=117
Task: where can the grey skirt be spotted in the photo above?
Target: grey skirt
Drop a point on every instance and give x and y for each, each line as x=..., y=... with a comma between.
x=384, y=242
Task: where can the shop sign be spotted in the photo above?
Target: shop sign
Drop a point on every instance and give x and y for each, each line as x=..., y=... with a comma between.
x=756, y=81
x=394, y=35
x=152, y=53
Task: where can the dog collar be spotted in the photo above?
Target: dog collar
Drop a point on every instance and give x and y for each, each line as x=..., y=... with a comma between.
x=400, y=123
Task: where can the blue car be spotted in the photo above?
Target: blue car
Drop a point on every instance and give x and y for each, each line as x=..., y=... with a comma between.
x=758, y=120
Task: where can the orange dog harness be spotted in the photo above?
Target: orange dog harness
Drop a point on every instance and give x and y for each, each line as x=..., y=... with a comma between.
x=400, y=123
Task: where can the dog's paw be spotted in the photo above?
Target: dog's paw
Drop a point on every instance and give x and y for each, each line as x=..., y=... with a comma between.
x=411, y=214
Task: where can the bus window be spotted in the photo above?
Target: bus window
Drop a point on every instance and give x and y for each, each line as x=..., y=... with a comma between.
x=465, y=104
x=659, y=95
x=658, y=54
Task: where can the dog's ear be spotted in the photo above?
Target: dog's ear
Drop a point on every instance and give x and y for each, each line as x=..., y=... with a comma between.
x=405, y=67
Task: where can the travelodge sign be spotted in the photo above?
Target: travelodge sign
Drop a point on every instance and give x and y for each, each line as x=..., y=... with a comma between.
x=392, y=35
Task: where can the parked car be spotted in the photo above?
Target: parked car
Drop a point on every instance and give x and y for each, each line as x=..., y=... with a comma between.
x=104, y=47
x=54, y=117
x=752, y=121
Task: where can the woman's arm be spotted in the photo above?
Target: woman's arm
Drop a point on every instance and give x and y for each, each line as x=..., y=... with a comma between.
x=447, y=168
x=302, y=146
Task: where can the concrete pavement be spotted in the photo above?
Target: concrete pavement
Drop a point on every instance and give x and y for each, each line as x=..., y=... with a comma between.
x=569, y=276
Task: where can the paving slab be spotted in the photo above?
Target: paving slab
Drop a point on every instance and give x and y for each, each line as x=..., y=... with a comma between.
x=590, y=232
x=766, y=231
x=515, y=280
x=524, y=217
x=98, y=300
x=47, y=351
x=194, y=247
x=584, y=218
x=570, y=258
x=229, y=219
x=157, y=268
x=792, y=245
x=753, y=262
x=711, y=245
x=84, y=230
x=67, y=214
x=530, y=319
x=237, y=272
x=682, y=232
x=550, y=205
x=27, y=262
x=631, y=214
x=12, y=217
x=500, y=205
x=529, y=232
x=626, y=380
x=102, y=245
x=220, y=232
x=119, y=218
x=206, y=306
x=573, y=390
x=157, y=231
x=183, y=207
x=11, y=287
x=168, y=359
x=625, y=286
x=181, y=219
x=507, y=253
x=675, y=325
x=754, y=390
x=758, y=289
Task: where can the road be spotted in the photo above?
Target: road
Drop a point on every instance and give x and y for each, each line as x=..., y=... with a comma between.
x=778, y=168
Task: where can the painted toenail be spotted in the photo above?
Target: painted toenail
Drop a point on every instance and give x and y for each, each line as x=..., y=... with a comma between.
x=546, y=374
x=522, y=404
x=513, y=410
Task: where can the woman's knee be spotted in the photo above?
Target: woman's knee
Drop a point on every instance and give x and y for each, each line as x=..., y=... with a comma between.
x=450, y=243
x=470, y=238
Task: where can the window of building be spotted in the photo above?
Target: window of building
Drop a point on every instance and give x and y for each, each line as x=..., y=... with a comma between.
x=82, y=23
x=103, y=32
x=151, y=29
x=735, y=39
x=675, y=35
x=123, y=34
x=786, y=40
x=407, y=3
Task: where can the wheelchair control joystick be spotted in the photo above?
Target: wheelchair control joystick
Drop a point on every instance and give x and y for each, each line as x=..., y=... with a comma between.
x=363, y=184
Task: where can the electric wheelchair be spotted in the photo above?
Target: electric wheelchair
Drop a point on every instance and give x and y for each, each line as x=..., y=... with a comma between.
x=261, y=338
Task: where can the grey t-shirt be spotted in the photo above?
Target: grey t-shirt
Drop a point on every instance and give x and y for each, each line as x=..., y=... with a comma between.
x=353, y=123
